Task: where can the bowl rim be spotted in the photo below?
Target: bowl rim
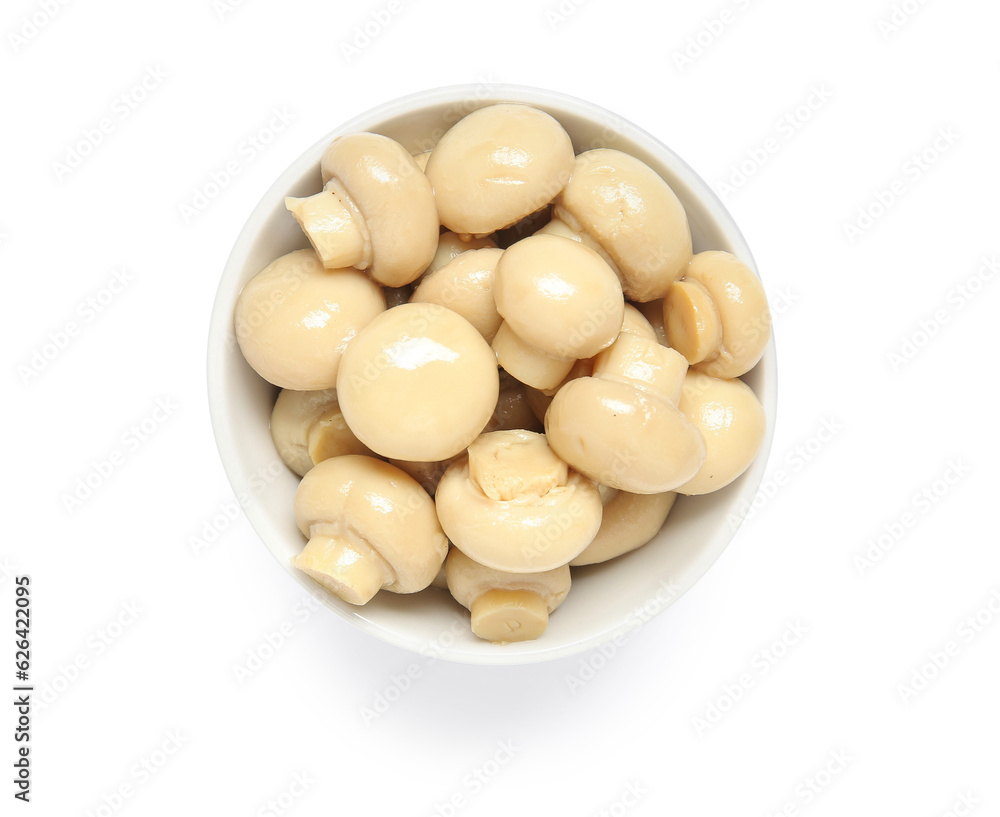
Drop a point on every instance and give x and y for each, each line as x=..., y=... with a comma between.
x=221, y=321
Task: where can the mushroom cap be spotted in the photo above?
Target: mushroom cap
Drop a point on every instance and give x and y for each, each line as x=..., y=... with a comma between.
x=511, y=504
x=496, y=166
x=418, y=383
x=465, y=285
x=630, y=211
x=623, y=437
x=731, y=421
x=640, y=361
x=307, y=427
x=527, y=363
x=450, y=245
x=629, y=522
x=468, y=580
x=741, y=306
x=559, y=296
x=370, y=502
x=294, y=319
x=394, y=197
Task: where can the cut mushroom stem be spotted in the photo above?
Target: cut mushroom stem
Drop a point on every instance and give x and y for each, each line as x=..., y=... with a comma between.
x=509, y=615
x=351, y=570
x=717, y=316
x=505, y=606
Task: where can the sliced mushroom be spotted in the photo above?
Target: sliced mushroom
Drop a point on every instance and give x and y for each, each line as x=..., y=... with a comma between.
x=731, y=421
x=717, y=316
x=465, y=285
x=629, y=522
x=376, y=211
x=307, y=427
x=511, y=504
x=295, y=318
x=560, y=303
x=369, y=527
x=497, y=165
x=505, y=607
x=621, y=427
x=419, y=383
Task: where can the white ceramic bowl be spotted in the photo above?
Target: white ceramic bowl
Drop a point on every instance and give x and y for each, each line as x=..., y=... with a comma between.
x=606, y=600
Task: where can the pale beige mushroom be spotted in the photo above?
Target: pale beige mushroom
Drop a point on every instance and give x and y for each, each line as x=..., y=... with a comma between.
x=505, y=607
x=295, y=317
x=731, y=421
x=717, y=316
x=622, y=427
x=307, y=427
x=496, y=166
x=629, y=522
x=376, y=211
x=451, y=246
x=419, y=383
x=560, y=302
x=511, y=504
x=465, y=285
x=615, y=202
x=369, y=527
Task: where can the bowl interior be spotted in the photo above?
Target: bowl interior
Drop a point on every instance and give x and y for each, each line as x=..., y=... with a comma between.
x=606, y=600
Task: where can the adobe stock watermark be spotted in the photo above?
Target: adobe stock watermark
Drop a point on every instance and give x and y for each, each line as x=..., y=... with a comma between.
x=34, y=23
x=483, y=93
x=260, y=653
x=281, y=803
x=940, y=658
x=795, y=461
x=590, y=665
x=808, y=790
x=105, y=467
x=95, y=645
x=921, y=503
x=898, y=17
x=139, y=774
x=7, y=570
x=122, y=107
x=954, y=301
x=708, y=34
x=476, y=779
x=761, y=663
x=559, y=13
x=215, y=525
x=247, y=151
x=223, y=8
x=86, y=312
x=913, y=169
x=963, y=805
x=785, y=128
x=369, y=30
x=402, y=682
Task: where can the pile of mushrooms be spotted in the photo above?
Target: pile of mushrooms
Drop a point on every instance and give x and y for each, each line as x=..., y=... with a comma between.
x=499, y=361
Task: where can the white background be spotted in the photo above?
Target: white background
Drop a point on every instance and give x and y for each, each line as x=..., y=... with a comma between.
x=886, y=340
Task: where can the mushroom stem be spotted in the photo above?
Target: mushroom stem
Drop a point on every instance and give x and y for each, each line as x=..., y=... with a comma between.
x=333, y=226
x=692, y=321
x=509, y=615
x=352, y=571
x=526, y=363
x=328, y=435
